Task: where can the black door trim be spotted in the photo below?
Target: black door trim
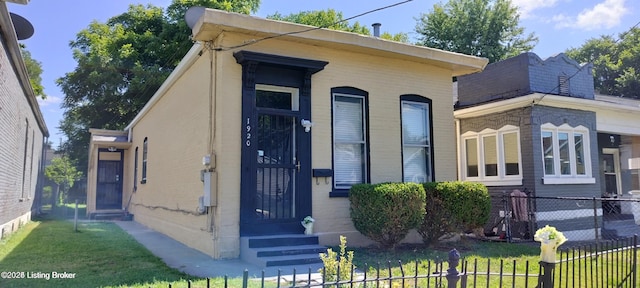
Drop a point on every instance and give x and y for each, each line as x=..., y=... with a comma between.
x=120, y=174
x=292, y=72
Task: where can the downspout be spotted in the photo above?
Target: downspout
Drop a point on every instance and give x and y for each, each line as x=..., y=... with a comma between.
x=459, y=166
x=213, y=106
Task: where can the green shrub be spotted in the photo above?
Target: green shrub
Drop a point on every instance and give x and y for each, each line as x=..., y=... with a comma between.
x=437, y=219
x=334, y=263
x=386, y=212
x=453, y=207
x=469, y=203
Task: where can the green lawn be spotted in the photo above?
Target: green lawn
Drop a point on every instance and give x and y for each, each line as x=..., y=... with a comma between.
x=102, y=255
x=99, y=255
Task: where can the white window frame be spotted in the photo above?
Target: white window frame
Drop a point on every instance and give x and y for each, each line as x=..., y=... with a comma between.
x=428, y=176
x=501, y=179
x=365, y=166
x=295, y=93
x=572, y=178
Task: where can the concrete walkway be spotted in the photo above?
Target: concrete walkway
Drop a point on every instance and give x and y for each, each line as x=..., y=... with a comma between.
x=193, y=262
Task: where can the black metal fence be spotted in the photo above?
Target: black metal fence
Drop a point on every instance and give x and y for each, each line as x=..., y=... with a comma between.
x=609, y=263
x=516, y=218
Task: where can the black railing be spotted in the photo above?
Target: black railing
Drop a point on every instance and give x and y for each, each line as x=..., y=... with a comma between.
x=608, y=263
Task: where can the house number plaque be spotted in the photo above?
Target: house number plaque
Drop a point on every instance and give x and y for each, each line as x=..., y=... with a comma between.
x=248, y=142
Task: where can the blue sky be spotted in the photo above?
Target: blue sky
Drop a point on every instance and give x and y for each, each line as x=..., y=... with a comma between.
x=559, y=25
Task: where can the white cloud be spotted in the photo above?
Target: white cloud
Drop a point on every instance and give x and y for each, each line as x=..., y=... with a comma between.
x=49, y=101
x=525, y=7
x=607, y=14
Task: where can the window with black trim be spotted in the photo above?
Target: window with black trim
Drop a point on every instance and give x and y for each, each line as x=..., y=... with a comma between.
x=350, y=139
x=135, y=170
x=144, y=160
x=416, y=139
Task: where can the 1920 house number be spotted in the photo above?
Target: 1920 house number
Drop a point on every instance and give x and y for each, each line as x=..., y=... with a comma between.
x=248, y=142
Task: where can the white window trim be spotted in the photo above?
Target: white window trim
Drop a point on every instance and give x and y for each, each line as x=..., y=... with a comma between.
x=295, y=97
x=363, y=142
x=573, y=178
x=502, y=179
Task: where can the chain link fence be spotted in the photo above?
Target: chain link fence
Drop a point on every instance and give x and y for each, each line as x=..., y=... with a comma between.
x=517, y=215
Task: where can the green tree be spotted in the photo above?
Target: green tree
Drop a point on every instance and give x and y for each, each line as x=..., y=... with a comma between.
x=34, y=68
x=616, y=63
x=332, y=19
x=121, y=63
x=62, y=171
x=485, y=28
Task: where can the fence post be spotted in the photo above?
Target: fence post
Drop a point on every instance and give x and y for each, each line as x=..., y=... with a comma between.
x=245, y=278
x=595, y=219
x=75, y=218
x=452, y=272
x=546, y=279
x=634, y=266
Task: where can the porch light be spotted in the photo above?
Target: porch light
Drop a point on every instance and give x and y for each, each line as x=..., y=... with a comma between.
x=112, y=149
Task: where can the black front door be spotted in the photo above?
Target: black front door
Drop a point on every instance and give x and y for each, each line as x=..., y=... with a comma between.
x=109, y=180
x=276, y=154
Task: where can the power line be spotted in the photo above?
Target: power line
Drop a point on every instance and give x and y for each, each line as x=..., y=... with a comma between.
x=254, y=41
x=622, y=35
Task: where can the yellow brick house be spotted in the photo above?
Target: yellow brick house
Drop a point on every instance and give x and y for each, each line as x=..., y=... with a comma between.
x=261, y=125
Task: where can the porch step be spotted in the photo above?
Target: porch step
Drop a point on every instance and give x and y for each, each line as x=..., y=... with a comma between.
x=620, y=229
x=282, y=250
x=120, y=215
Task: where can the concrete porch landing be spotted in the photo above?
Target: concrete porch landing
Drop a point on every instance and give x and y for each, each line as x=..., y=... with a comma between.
x=178, y=256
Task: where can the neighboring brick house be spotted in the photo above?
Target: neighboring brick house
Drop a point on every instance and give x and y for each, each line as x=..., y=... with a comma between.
x=22, y=132
x=268, y=132
x=537, y=124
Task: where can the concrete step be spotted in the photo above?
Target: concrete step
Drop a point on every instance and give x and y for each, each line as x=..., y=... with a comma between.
x=282, y=250
x=620, y=228
x=290, y=250
x=110, y=216
x=281, y=240
x=298, y=260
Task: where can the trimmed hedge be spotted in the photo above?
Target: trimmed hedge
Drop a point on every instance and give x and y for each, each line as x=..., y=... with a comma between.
x=437, y=218
x=454, y=206
x=386, y=212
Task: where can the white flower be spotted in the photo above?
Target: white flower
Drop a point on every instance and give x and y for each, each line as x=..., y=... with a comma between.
x=549, y=235
x=307, y=220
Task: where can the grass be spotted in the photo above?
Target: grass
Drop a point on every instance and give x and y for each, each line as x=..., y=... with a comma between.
x=99, y=255
x=102, y=255
x=405, y=259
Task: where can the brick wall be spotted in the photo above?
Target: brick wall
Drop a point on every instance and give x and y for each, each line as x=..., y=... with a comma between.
x=573, y=118
x=543, y=75
x=21, y=140
x=508, y=78
x=522, y=75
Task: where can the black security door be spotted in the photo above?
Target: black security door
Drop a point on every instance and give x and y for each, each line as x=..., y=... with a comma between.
x=109, y=180
x=276, y=149
x=277, y=197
